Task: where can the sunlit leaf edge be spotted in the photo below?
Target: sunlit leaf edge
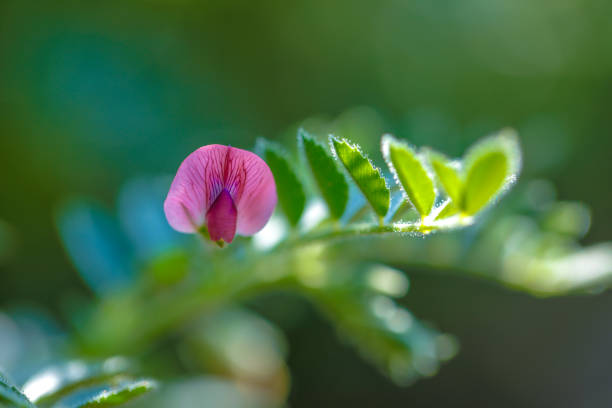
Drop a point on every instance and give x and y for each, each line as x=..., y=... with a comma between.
x=9, y=394
x=379, y=208
x=335, y=198
x=120, y=394
x=454, y=165
x=387, y=141
x=505, y=141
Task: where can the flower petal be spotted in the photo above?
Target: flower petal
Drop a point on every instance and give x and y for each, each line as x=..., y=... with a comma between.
x=205, y=173
x=221, y=218
x=197, y=183
x=258, y=197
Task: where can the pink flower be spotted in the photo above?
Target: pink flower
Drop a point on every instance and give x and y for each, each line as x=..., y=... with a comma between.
x=225, y=189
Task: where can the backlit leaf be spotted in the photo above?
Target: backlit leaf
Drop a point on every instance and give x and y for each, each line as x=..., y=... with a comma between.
x=118, y=395
x=448, y=210
x=367, y=177
x=448, y=176
x=330, y=181
x=410, y=174
x=56, y=381
x=291, y=195
x=11, y=397
x=491, y=166
x=96, y=245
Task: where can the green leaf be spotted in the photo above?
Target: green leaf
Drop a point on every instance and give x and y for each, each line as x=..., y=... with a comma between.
x=220, y=342
x=330, y=181
x=11, y=396
x=291, y=195
x=367, y=177
x=384, y=332
x=119, y=395
x=66, y=378
x=491, y=166
x=571, y=219
x=448, y=176
x=410, y=174
x=449, y=209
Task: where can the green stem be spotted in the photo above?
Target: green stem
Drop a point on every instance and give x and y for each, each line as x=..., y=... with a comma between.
x=348, y=232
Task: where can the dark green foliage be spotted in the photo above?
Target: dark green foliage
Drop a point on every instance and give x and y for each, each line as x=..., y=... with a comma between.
x=290, y=191
x=330, y=181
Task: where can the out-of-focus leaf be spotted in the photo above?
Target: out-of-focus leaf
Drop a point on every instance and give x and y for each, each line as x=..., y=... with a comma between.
x=96, y=245
x=29, y=339
x=206, y=392
x=55, y=382
x=568, y=218
x=387, y=281
x=410, y=174
x=169, y=267
x=118, y=395
x=11, y=396
x=581, y=269
x=357, y=301
x=388, y=335
x=329, y=179
x=491, y=165
x=290, y=191
x=368, y=178
x=239, y=344
x=141, y=214
x=448, y=176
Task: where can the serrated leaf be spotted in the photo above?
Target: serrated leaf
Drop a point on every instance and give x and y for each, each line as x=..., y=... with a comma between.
x=447, y=175
x=291, y=195
x=491, y=165
x=54, y=382
x=368, y=178
x=118, y=395
x=410, y=174
x=11, y=396
x=330, y=181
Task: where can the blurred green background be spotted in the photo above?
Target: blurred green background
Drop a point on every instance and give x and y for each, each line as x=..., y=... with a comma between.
x=94, y=93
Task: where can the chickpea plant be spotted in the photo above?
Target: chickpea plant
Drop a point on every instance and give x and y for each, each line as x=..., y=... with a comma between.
x=339, y=222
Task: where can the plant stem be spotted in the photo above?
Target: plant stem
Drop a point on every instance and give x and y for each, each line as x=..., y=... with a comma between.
x=350, y=231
